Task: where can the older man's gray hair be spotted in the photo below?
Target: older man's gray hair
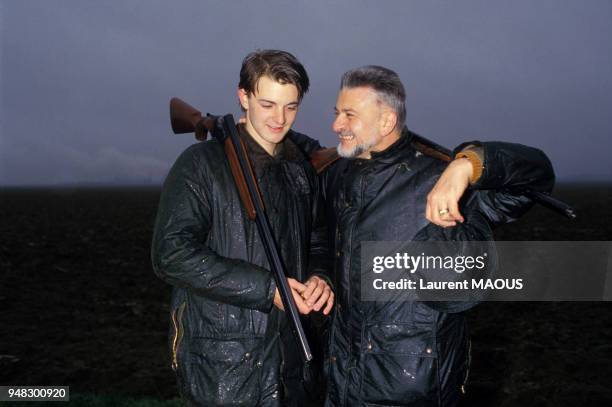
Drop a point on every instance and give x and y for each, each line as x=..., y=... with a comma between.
x=385, y=82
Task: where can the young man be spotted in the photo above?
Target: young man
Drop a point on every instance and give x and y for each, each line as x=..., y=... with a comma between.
x=227, y=325
x=407, y=353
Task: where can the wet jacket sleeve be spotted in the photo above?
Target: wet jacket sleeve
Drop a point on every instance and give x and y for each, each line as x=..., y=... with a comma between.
x=509, y=169
x=179, y=253
x=497, y=197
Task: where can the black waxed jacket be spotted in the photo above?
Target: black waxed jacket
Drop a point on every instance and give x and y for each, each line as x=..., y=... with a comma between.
x=224, y=336
x=409, y=353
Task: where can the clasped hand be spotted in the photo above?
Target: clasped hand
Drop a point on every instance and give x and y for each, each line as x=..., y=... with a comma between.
x=313, y=295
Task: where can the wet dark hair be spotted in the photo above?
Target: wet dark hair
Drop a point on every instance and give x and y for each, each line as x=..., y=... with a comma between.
x=281, y=66
x=385, y=83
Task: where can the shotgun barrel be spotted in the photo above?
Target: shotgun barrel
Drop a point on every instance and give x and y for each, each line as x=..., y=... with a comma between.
x=542, y=198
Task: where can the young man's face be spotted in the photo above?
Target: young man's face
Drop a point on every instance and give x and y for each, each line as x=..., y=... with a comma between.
x=357, y=123
x=270, y=111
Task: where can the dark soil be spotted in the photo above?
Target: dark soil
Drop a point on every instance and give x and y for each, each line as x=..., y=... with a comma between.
x=80, y=305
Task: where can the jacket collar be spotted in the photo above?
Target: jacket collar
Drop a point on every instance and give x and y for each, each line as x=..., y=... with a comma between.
x=391, y=152
x=285, y=151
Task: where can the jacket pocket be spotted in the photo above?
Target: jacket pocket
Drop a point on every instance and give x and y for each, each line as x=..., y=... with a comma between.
x=177, y=323
x=400, y=365
x=225, y=371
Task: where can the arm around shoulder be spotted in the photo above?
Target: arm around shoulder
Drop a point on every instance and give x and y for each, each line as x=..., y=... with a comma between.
x=509, y=171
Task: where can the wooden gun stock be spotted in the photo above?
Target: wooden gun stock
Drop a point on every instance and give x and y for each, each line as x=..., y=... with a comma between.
x=185, y=118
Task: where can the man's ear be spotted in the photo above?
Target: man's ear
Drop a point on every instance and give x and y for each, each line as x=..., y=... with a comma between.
x=243, y=97
x=388, y=120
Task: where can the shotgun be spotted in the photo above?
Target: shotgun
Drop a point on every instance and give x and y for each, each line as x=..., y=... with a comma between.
x=186, y=119
x=323, y=158
x=444, y=154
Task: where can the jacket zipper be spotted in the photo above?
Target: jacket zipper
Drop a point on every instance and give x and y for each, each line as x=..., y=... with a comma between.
x=177, y=320
x=350, y=264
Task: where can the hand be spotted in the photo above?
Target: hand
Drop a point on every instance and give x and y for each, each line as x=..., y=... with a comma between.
x=297, y=289
x=317, y=294
x=443, y=200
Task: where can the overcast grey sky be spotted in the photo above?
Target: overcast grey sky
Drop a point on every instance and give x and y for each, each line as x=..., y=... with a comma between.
x=85, y=85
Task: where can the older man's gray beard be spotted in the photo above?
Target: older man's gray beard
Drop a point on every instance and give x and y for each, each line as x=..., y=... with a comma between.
x=357, y=149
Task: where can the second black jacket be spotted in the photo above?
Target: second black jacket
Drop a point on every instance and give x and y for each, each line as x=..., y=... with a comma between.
x=409, y=353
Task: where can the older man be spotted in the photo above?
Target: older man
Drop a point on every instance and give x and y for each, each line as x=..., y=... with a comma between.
x=406, y=353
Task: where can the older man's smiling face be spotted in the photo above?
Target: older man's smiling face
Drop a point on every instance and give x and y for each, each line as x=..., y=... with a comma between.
x=358, y=119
